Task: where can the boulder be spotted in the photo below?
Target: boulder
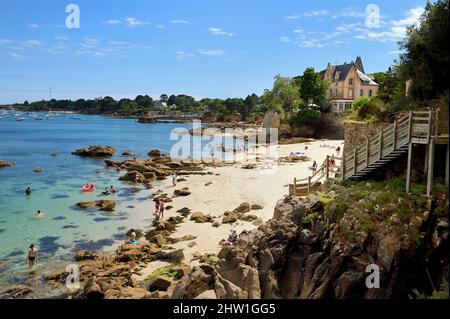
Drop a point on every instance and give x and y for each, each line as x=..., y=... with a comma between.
x=256, y=207
x=208, y=294
x=154, y=153
x=158, y=239
x=92, y=290
x=37, y=170
x=103, y=205
x=6, y=164
x=248, y=218
x=198, y=217
x=86, y=255
x=175, y=256
x=95, y=151
x=147, y=119
x=127, y=293
x=15, y=291
x=182, y=192
x=229, y=218
x=243, y=208
x=159, y=283
x=127, y=154
x=133, y=176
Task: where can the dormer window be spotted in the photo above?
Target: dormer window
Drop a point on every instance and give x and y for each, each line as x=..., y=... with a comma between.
x=350, y=81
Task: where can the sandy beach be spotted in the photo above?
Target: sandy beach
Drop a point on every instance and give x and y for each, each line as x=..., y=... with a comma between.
x=226, y=189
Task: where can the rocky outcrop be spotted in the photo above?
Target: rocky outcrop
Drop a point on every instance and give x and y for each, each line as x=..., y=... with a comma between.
x=95, y=151
x=147, y=119
x=154, y=153
x=6, y=164
x=104, y=205
x=15, y=292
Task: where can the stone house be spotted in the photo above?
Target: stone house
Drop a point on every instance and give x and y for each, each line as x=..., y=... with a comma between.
x=348, y=82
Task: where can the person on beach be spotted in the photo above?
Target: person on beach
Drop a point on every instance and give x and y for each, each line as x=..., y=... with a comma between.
x=38, y=215
x=161, y=209
x=314, y=168
x=112, y=190
x=232, y=237
x=156, y=213
x=28, y=191
x=133, y=236
x=174, y=179
x=32, y=256
x=338, y=151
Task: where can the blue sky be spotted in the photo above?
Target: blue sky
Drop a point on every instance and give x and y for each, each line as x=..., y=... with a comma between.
x=204, y=48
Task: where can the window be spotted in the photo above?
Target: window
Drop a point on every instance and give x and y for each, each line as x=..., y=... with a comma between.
x=361, y=92
x=348, y=106
x=341, y=107
x=370, y=92
x=350, y=81
x=350, y=92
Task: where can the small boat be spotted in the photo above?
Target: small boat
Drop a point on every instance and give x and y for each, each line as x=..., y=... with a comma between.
x=20, y=119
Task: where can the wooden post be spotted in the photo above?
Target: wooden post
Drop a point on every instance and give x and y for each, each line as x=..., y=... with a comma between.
x=395, y=134
x=408, y=168
x=430, y=167
x=309, y=184
x=367, y=152
x=427, y=152
x=446, y=166
x=380, y=147
x=295, y=186
x=410, y=125
x=430, y=125
x=328, y=167
x=355, y=153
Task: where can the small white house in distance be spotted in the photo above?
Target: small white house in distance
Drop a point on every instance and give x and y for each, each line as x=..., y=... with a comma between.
x=160, y=105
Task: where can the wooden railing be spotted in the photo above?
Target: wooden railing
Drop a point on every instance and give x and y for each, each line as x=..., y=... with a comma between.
x=390, y=142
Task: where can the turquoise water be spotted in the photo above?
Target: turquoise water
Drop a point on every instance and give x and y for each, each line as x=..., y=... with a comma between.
x=65, y=229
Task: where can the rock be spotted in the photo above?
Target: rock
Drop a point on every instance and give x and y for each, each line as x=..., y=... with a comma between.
x=215, y=224
x=243, y=208
x=6, y=164
x=127, y=293
x=158, y=239
x=258, y=221
x=134, y=177
x=248, y=218
x=154, y=153
x=92, y=290
x=184, y=211
x=37, y=170
x=182, y=192
x=127, y=154
x=175, y=256
x=147, y=119
x=256, y=207
x=230, y=218
x=198, y=217
x=103, y=205
x=249, y=166
x=160, y=283
x=208, y=294
x=15, y=291
x=86, y=255
x=95, y=151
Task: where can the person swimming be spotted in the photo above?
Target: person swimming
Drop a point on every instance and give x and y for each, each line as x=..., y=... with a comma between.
x=112, y=190
x=38, y=215
x=106, y=192
x=32, y=256
x=133, y=237
x=28, y=191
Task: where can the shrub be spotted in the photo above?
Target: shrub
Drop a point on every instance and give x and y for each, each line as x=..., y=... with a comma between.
x=305, y=117
x=366, y=108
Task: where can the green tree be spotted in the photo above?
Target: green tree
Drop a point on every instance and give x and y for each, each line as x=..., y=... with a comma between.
x=312, y=88
x=426, y=52
x=163, y=97
x=283, y=96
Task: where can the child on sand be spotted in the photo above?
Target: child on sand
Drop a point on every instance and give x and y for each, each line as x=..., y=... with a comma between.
x=157, y=206
x=174, y=179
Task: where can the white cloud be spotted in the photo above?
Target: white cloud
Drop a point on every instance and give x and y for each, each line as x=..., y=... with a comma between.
x=181, y=55
x=95, y=54
x=179, y=21
x=133, y=22
x=18, y=57
x=89, y=43
x=33, y=25
x=218, y=31
x=413, y=17
x=285, y=39
x=160, y=26
x=292, y=17
x=32, y=43
x=349, y=13
x=313, y=43
x=318, y=13
x=4, y=41
x=112, y=22
x=60, y=38
x=211, y=52
x=299, y=30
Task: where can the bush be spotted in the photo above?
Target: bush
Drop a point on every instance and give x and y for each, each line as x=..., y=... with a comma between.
x=305, y=117
x=366, y=108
